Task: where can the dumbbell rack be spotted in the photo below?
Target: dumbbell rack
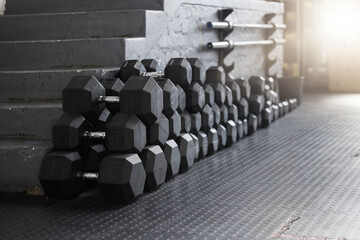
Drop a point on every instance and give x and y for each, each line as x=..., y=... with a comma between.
x=225, y=47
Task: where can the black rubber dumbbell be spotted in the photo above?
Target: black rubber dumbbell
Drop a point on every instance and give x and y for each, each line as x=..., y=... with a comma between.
x=125, y=133
x=121, y=177
x=155, y=165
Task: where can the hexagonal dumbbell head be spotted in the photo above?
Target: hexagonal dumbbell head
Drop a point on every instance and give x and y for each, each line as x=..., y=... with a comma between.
x=217, y=114
x=256, y=104
x=224, y=114
x=170, y=96
x=187, y=151
x=113, y=87
x=213, y=140
x=203, y=144
x=172, y=156
x=131, y=68
x=151, y=65
x=233, y=113
x=252, y=124
x=182, y=99
x=257, y=84
x=155, y=165
x=196, y=146
x=246, y=127
x=198, y=70
x=243, y=109
x=235, y=89
x=266, y=117
x=121, y=178
x=174, y=125
x=245, y=87
x=103, y=120
x=228, y=96
x=207, y=118
x=142, y=96
x=286, y=107
x=96, y=154
x=271, y=82
x=67, y=130
x=259, y=118
x=195, y=98
x=195, y=122
x=126, y=133
x=179, y=71
x=58, y=174
x=222, y=136
x=281, y=109
x=80, y=95
x=268, y=104
x=215, y=74
x=185, y=122
x=240, y=129
x=274, y=97
x=267, y=93
x=231, y=133
x=209, y=94
x=220, y=93
x=158, y=132
x=275, y=112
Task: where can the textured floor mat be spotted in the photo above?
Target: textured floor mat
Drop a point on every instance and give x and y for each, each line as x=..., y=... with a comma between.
x=298, y=179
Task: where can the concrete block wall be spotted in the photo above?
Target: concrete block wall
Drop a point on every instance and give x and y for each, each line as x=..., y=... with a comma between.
x=2, y=6
x=39, y=59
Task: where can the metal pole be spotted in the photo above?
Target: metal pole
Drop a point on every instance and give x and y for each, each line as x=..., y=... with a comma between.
x=231, y=25
x=231, y=44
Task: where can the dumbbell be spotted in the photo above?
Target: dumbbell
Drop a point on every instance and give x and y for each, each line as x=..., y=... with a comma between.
x=125, y=133
x=155, y=165
x=178, y=70
x=257, y=84
x=196, y=146
x=187, y=151
x=235, y=89
x=213, y=140
x=209, y=94
x=256, y=103
x=172, y=156
x=143, y=97
x=276, y=112
x=252, y=124
x=215, y=77
x=112, y=87
x=121, y=177
x=86, y=95
x=231, y=133
x=267, y=117
x=245, y=87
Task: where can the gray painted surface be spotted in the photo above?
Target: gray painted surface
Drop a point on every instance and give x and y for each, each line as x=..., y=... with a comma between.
x=55, y=6
x=55, y=54
x=20, y=163
x=28, y=119
x=105, y=24
x=42, y=85
x=179, y=31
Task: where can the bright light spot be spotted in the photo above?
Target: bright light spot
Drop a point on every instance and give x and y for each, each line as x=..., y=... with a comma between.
x=341, y=19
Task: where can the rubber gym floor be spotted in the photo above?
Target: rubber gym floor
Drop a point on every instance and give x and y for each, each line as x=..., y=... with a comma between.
x=298, y=179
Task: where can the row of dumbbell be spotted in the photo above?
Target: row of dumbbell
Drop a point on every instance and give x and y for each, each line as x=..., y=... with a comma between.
x=123, y=177
x=185, y=115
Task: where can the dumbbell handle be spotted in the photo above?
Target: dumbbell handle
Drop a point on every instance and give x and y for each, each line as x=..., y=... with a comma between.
x=85, y=175
x=94, y=134
x=154, y=74
x=108, y=99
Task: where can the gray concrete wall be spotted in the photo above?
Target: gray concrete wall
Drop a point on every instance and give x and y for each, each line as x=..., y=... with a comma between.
x=2, y=7
x=180, y=31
